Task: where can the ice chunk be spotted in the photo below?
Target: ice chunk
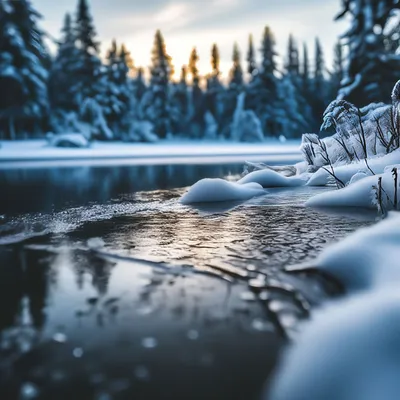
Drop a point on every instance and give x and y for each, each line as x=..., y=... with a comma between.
x=213, y=190
x=268, y=178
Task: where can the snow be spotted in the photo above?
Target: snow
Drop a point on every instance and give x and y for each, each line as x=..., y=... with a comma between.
x=346, y=172
x=76, y=140
x=216, y=190
x=366, y=259
x=349, y=350
x=268, y=179
x=361, y=193
x=168, y=151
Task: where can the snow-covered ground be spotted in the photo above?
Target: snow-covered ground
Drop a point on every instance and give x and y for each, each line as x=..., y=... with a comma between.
x=169, y=151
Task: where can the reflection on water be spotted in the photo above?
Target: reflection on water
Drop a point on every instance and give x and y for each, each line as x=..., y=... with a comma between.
x=78, y=323
x=46, y=190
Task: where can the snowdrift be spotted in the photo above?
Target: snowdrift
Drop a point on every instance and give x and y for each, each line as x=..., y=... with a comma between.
x=346, y=172
x=216, y=190
x=348, y=351
x=268, y=179
x=362, y=192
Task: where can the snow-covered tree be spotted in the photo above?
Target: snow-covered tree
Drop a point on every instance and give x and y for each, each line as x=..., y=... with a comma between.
x=88, y=65
x=292, y=64
x=197, y=107
x=320, y=94
x=180, y=104
x=337, y=73
x=263, y=90
x=305, y=71
x=156, y=99
x=62, y=78
x=372, y=65
x=24, y=65
x=236, y=73
x=251, y=58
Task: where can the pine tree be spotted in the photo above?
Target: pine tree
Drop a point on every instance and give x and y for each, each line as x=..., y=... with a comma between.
x=139, y=85
x=251, y=58
x=194, y=59
x=305, y=72
x=180, y=104
x=161, y=72
x=320, y=93
x=23, y=68
x=236, y=73
x=215, y=61
x=372, y=65
x=196, y=108
x=262, y=94
x=88, y=64
x=338, y=69
x=292, y=65
x=294, y=93
x=62, y=78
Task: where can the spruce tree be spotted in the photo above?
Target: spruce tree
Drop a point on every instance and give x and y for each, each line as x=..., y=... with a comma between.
x=180, y=104
x=338, y=69
x=88, y=66
x=262, y=94
x=161, y=72
x=292, y=65
x=236, y=73
x=24, y=62
x=196, y=108
x=215, y=61
x=62, y=79
x=372, y=64
x=305, y=72
x=251, y=58
x=320, y=88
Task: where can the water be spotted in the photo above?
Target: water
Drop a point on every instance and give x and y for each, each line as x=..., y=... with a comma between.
x=205, y=316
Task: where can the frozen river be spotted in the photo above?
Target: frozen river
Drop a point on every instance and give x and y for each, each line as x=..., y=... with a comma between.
x=205, y=317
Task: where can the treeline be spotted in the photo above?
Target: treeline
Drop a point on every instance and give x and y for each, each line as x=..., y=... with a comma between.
x=110, y=99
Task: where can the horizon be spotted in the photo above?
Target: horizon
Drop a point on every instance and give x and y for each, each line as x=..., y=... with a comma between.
x=185, y=25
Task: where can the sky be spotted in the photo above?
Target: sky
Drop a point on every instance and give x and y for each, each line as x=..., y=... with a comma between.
x=200, y=23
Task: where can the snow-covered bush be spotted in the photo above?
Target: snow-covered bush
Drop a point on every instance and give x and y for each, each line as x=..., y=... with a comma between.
x=140, y=131
x=74, y=140
x=358, y=133
x=92, y=117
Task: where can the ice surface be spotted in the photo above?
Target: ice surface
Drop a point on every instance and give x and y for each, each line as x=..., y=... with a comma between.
x=349, y=350
x=268, y=178
x=214, y=190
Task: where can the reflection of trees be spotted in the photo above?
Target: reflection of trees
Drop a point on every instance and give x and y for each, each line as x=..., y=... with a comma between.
x=97, y=268
x=58, y=187
x=22, y=275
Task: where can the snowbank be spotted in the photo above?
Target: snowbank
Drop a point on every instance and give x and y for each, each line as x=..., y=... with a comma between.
x=348, y=351
x=346, y=172
x=213, y=190
x=268, y=179
x=73, y=140
x=360, y=193
x=368, y=258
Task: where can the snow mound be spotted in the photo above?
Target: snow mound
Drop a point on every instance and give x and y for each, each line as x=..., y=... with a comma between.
x=269, y=178
x=346, y=172
x=368, y=258
x=348, y=351
x=213, y=190
x=74, y=140
x=361, y=193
